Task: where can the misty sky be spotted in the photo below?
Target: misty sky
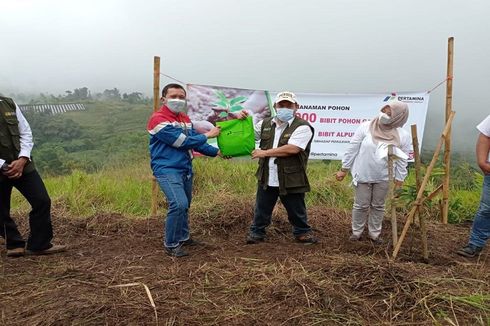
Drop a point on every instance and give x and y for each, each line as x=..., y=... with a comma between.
x=341, y=46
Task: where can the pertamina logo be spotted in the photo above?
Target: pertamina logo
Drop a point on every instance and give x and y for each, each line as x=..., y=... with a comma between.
x=404, y=98
x=411, y=99
x=390, y=97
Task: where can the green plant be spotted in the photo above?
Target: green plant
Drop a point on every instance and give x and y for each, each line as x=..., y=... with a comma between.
x=464, y=176
x=229, y=105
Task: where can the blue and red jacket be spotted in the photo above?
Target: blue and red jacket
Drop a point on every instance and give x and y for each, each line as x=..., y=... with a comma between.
x=172, y=139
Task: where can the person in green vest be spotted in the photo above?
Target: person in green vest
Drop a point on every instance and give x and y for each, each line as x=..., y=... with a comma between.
x=285, y=142
x=18, y=170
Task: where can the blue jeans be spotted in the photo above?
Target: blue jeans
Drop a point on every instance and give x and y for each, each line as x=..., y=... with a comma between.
x=265, y=201
x=177, y=188
x=480, y=232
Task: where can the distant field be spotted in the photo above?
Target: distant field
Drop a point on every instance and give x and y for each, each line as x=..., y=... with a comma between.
x=104, y=135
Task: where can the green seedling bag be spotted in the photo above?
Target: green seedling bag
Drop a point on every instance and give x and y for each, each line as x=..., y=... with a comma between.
x=237, y=137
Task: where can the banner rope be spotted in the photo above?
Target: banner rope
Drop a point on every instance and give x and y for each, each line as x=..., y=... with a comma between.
x=442, y=82
x=430, y=91
x=173, y=78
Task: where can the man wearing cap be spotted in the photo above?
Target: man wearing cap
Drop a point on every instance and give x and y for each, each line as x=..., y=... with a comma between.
x=285, y=142
x=17, y=170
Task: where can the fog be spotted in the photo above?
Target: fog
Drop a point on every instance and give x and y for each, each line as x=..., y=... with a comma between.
x=341, y=46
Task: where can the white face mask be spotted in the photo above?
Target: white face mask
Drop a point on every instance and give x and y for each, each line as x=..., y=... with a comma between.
x=285, y=114
x=384, y=118
x=177, y=105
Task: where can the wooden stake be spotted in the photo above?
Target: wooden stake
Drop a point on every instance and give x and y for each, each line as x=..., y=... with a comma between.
x=447, y=144
x=156, y=105
x=156, y=83
x=423, y=226
x=394, y=228
x=416, y=156
x=419, y=201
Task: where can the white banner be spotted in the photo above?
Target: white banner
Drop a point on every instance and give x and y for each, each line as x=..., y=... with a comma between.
x=335, y=117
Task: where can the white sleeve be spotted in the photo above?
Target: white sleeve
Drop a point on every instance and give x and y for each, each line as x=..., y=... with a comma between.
x=301, y=137
x=26, y=142
x=484, y=126
x=401, y=164
x=258, y=129
x=353, y=148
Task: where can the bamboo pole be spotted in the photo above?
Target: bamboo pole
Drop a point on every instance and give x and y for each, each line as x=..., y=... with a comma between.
x=447, y=144
x=434, y=193
x=156, y=104
x=423, y=226
x=419, y=201
x=394, y=228
x=416, y=156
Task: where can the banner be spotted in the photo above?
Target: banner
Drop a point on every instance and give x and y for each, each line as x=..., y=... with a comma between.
x=335, y=117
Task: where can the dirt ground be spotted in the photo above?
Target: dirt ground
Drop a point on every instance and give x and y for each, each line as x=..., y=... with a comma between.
x=228, y=282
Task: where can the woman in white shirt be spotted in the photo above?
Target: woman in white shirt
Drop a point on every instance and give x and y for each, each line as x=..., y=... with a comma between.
x=369, y=167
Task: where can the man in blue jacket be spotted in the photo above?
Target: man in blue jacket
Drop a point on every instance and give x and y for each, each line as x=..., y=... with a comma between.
x=172, y=139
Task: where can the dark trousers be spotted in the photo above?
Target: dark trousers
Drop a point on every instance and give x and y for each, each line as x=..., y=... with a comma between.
x=32, y=188
x=264, y=205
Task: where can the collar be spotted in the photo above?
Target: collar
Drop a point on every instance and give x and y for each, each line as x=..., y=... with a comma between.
x=290, y=121
x=169, y=114
x=166, y=110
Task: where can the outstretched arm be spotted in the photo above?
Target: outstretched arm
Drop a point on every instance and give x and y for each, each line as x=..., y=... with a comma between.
x=482, y=150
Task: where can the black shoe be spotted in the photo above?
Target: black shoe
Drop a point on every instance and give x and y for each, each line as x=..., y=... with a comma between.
x=191, y=242
x=54, y=249
x=306, y=238
x=176, y=252
x=469, y=251
x=253, y=239
x=16, y=252
x=377, y=242
x=354, y=237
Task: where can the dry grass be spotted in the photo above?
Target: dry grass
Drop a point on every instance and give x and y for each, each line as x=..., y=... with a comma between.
x=229, y=283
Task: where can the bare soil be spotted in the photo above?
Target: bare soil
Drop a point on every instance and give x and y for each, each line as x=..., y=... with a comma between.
x=227, y=282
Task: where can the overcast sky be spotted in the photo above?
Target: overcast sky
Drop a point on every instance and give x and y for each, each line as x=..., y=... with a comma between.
x=341, y=46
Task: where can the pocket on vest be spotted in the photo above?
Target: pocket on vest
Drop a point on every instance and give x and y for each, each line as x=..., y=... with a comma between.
x=294, y=177
x=4, y=139
x=13, y=127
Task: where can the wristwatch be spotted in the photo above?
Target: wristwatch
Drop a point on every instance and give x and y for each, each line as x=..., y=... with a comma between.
x=344, y=170
x=4, y=167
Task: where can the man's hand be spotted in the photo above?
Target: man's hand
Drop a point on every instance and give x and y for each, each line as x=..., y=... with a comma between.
x=16, y=168
x=485, y=167
x=258, y=153
x=340, y=175
x=214, y=132
x=398, y=184
x=222, y=156
x=242, y=115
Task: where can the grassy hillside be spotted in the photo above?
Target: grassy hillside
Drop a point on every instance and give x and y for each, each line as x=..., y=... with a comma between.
x=126, y=189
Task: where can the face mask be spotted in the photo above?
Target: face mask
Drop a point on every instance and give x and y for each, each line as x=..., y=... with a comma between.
x=285, y=114
x=176, y=105
x=384, y=118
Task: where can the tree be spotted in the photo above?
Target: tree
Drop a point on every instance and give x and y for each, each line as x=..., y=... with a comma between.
x=111, y=94
x=134, y=97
